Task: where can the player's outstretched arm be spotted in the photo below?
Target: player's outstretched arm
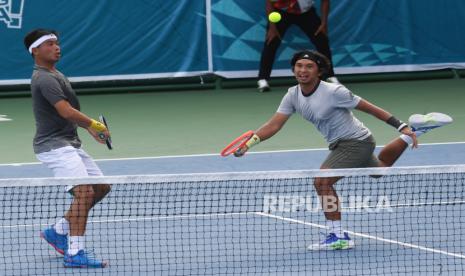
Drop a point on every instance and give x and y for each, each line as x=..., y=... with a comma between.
x=374, y=110
x=387, y=117
x=266, y=131
x=271, y=127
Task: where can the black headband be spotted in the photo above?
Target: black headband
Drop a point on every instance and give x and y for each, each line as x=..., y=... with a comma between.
x=322, y=61
x=311, y=57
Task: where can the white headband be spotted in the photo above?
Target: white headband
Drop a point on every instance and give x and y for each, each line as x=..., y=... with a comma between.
x=41, y=40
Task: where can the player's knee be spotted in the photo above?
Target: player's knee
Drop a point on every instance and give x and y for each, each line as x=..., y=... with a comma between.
x=106, y=188
x=84, y=193
x=100, y=191
x=322, y=184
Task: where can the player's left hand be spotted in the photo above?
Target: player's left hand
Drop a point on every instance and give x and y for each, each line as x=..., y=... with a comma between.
x=322, y=29
x=408, y=131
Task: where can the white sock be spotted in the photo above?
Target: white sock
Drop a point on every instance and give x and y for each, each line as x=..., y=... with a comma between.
x=62, y=227
x=336, y=228
x=407, y=139
x=75, y=243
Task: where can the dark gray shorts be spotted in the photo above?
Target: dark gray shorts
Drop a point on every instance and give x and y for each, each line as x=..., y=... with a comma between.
x=351, y=154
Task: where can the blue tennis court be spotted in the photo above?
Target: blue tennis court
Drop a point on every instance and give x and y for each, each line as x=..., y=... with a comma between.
x=200, y=227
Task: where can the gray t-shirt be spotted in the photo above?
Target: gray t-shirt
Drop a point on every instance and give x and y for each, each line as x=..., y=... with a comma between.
x=52, y=130
x=329, y=109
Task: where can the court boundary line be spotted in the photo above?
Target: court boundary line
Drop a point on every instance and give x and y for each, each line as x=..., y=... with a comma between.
x=215, y=154
x=168, y=217
x=410, y=245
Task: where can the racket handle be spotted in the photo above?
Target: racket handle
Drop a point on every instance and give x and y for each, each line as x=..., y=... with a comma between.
x=240, y=151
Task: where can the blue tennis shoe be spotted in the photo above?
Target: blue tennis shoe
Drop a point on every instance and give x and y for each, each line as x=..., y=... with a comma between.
x=57, y=241
x=333, y=242
x=83, y=259
x=427, y=122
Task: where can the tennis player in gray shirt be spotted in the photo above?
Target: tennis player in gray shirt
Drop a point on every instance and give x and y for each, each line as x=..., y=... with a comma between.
x=328, y=106
x=57, y=145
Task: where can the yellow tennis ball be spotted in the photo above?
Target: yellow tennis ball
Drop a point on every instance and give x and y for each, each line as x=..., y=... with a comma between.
x=274, y=17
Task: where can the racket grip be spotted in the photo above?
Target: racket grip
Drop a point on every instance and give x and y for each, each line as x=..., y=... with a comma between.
x=240, y=151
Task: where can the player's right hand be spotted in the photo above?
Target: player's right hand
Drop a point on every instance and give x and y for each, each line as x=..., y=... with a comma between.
x=99, y=136
x=272, y=33
x=241, y=151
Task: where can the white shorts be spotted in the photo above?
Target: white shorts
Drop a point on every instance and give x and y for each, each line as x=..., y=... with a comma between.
x=69, y=162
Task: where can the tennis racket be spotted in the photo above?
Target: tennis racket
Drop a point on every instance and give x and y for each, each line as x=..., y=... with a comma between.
x=237, y=143
x=102, y=136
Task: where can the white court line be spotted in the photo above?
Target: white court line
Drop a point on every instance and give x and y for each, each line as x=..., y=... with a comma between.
x=227, y=214
x=218, y=155
x=409, y=204
x=136, y=219
x=410, y=245
x=414, y=204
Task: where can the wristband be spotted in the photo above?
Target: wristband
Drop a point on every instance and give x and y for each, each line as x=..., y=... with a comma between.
x=398, y=124
x=96, y=125
x=254, y=140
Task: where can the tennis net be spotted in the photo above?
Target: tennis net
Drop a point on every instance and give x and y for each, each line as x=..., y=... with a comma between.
x=405, y=221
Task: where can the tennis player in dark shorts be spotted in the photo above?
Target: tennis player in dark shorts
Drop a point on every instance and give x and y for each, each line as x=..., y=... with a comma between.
x=328, y=107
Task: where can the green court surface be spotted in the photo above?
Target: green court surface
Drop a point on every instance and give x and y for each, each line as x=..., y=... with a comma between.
x=199, y=122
